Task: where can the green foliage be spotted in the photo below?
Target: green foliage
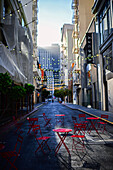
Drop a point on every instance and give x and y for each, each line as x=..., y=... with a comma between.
x=29, y=88
x=45, y=93
x=5, y=83
x=56, y=93
x=17, y=92
x=62, y=93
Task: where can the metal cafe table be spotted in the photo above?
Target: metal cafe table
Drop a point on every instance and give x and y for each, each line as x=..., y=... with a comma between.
x=62, y=138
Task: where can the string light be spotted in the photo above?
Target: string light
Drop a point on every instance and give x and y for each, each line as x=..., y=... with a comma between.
x=18, y=10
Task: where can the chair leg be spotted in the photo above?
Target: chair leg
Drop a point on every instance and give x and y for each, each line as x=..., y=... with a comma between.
x=12, y=164
x=40, y=146
x=47, y=145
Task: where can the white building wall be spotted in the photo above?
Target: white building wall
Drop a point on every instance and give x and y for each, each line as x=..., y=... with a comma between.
x=28, y=12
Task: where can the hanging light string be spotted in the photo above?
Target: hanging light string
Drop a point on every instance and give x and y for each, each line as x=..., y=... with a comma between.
x=10, y=14
x=31, y=22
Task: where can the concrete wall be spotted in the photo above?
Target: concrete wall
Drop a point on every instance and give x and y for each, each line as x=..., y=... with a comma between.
x=110, y=95
x=28, y=12
x=85, y=15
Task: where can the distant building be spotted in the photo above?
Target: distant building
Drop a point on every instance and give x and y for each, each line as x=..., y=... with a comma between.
x=66, y=58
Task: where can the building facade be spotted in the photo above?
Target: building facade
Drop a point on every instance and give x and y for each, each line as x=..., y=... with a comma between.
x=16, y=47
x=97, y=58
x=66, y=57
x=103, y=13
x=81, y=19
x=49, y=58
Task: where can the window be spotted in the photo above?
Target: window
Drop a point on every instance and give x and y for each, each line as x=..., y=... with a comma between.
x=105, y=22
x=109, y=21
x=105, y=27
x=108, y=59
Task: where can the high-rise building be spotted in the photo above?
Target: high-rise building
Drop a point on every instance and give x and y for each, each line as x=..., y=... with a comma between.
x=49, y=58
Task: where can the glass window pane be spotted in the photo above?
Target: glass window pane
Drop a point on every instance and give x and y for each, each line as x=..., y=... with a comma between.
x=105, y=27
x=109, y=21
x=101, y=34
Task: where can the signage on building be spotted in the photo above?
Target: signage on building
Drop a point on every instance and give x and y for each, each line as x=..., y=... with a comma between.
x=89, y=48
x=42, y=74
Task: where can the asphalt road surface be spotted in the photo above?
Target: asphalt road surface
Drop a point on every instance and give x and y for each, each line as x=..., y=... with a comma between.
x=97, y=153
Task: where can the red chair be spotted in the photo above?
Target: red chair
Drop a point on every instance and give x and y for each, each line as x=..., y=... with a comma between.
x=79, y=136
x=46, y=120
x=78, y=142
x=11, y=156
x=32, y=122
x=42, y=141
x=74, y=119
x=79, y=128
x=17, y=125
x=102, y=124
x=82, y=118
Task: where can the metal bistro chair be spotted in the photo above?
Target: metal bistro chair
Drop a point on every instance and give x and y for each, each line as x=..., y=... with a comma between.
x=11, y=156
x=42, y=140
x=32, y=121
x=82, y=119
x=17, y=125
x=102, y=124
x=79, y=136
x=46, y=120
x=74, y=119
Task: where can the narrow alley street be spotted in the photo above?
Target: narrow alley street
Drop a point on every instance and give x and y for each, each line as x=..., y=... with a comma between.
x=97, y=153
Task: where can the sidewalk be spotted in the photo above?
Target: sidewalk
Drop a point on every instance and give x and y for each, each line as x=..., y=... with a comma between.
x=11, y=123
x=91, y=111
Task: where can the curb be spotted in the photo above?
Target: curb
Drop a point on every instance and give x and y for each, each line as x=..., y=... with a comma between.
x=11, y=123
x=90, y=114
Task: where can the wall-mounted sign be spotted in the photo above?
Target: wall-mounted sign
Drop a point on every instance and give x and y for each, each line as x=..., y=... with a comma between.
x=89, y=48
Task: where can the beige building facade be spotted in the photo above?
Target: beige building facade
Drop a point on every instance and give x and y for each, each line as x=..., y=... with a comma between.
x=81, y=19
x=66, y=58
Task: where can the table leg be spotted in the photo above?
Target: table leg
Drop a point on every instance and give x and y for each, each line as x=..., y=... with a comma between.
x=93, y=126
x=61, y=142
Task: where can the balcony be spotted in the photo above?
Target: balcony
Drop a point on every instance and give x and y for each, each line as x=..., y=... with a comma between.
x=34, y=4
x=7, y=64
x=76, y=50
x=75, y=34
x=74, y=4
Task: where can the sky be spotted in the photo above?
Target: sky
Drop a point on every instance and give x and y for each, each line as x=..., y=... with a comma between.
x=52, y=15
